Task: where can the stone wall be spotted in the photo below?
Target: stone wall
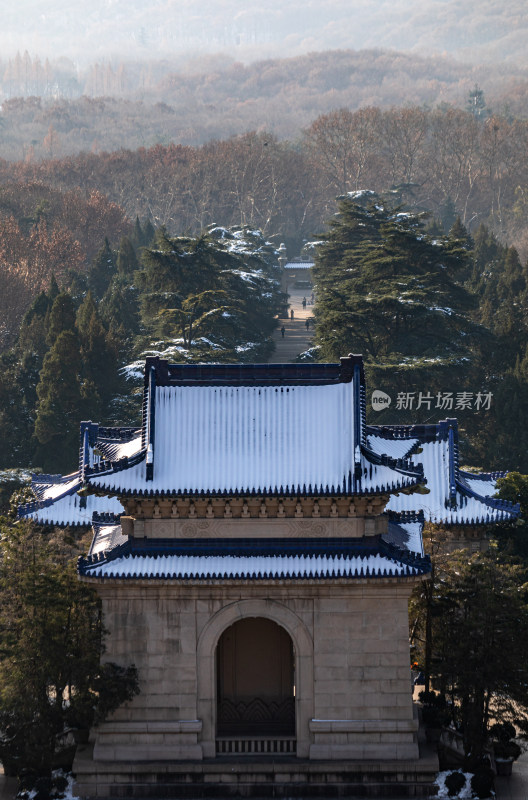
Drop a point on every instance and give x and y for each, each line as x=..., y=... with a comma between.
x=353, y=691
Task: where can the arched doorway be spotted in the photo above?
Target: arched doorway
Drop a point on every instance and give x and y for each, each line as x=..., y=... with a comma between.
x=255, y=680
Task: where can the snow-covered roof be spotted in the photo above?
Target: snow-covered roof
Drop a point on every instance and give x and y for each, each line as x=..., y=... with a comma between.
x=395, y=448
x=57, y=500
x=253, y=429
x=257, y=560
x=451, y=496
x=115, y=450
x=405, y=531
x=107, y=534
x=299, y=265
x=59, y=504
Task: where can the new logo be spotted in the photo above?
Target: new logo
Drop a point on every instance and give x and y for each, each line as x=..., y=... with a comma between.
x=380, y=400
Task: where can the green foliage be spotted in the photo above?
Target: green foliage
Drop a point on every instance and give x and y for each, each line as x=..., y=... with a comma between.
x=210, y=297
x=213, y=297
x=51, y=641
x=127, y=262
x=60, y=403
x=120, y=313
x=389, y=290
x=102, y=271
x=512, y=538
x=94, y=700
x=385, y=288
x=479, y=621
x=476, y=102
x=61, y=317
x=98, y=358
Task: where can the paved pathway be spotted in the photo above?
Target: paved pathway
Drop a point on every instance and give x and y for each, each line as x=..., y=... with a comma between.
x=297, y=337
x=8, y=786
x=515, y=787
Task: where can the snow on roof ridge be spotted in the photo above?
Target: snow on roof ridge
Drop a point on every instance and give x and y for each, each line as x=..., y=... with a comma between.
x=254, y=567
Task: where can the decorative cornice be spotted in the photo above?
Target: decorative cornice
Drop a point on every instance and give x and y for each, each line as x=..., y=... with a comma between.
x=255, y=507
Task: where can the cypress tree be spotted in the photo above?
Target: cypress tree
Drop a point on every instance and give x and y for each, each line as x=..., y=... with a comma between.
x=98, y=370
x=61, y=317
x=127, y=261
x=16, y=422
x=120, y=313
x=53, y=290
x=61, y=404
x=149, y=233
x=102, y=271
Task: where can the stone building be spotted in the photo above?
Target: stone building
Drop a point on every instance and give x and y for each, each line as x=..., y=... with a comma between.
x=258, y=583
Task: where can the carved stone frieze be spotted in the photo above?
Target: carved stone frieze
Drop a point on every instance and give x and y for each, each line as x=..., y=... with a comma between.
x=256, y=528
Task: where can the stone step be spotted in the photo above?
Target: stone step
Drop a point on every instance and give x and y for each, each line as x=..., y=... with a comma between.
x=256, y=777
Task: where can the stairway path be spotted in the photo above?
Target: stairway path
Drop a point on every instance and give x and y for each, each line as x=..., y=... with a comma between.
x=297, y=338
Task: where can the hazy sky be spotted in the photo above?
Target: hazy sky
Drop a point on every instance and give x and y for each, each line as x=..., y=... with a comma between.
x=490, y=30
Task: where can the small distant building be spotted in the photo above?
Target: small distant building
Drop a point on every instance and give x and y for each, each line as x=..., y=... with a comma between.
x=296, y=274
x=258, y=576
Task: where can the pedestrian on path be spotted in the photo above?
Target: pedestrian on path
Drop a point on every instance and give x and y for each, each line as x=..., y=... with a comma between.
x=304, y=303
x=307, y=323
x=283, y=331
x=291, y=314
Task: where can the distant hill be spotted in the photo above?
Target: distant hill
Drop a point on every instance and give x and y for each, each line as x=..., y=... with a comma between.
x=132, y=105
x=489, y=31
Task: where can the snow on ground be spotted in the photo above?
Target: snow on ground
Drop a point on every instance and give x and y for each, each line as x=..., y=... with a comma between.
x=18, y=474
x=464, y=794
x=67, y=793
x=243, y=348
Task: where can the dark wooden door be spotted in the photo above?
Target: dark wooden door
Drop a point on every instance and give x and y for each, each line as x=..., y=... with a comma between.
x=255, y=680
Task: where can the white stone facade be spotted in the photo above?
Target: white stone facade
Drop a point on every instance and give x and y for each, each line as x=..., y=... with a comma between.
x=353, y=692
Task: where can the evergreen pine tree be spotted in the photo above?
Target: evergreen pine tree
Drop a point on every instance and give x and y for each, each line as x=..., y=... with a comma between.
x=120, y=312
x=448, y=214
x=149, y=234
x=61, y=317
x=388, y=290
x=137, y=236
x=476, y=102
x=459, y=233
x=385, y=287
x=61, y=405
x=98, y=370
x=51, y=678
x=53, y=290
x=218, y=290
x=102, y=271
x=16, y=422
x=32, y=335
x=127, y=262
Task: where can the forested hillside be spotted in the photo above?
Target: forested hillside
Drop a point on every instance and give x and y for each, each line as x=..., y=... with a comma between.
x=131, y=105
x=449, y=161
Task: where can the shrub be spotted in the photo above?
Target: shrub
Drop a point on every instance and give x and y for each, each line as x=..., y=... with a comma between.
x=454, y=782
x=482, y=782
